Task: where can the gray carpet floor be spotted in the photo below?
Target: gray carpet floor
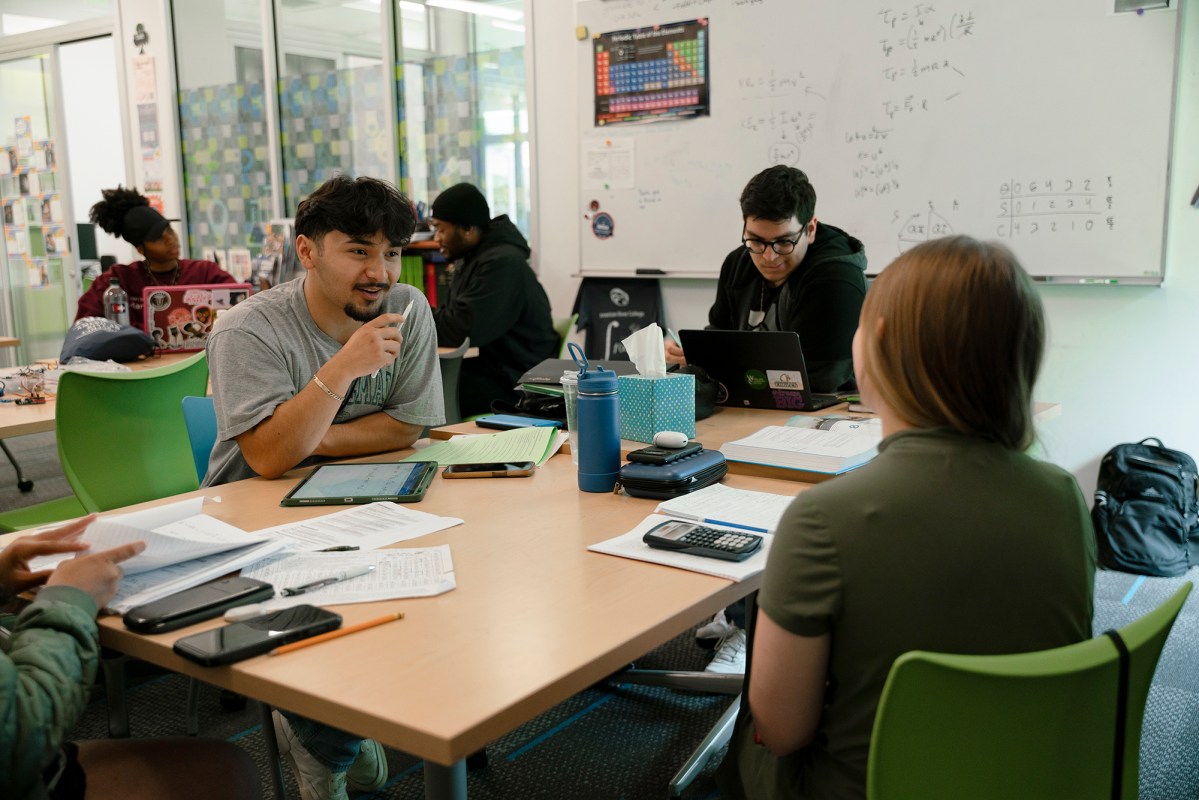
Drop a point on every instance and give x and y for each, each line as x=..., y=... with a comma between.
x=627, y=742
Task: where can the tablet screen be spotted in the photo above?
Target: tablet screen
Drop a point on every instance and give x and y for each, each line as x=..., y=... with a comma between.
x=360, y=483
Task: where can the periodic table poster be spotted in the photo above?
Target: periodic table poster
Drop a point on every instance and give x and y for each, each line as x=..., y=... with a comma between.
x=651, y=74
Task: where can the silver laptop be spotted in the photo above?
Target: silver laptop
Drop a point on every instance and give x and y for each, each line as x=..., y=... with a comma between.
x=755, y=369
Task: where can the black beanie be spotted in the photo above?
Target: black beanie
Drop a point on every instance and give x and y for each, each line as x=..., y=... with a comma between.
x=462, y=204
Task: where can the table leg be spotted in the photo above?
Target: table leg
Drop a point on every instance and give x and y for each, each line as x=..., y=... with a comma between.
x=445, y=783
x=275, y=765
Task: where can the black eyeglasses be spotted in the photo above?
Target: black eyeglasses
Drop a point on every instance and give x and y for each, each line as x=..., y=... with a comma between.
x=784, y=247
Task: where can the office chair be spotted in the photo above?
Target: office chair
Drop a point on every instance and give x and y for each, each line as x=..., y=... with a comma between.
x=121, y=435
x=199, y=417
x=122, y=440
x=451, y=368
x=1057, y=723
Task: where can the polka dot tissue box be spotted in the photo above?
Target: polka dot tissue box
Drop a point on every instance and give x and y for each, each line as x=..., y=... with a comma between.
x=649, y=405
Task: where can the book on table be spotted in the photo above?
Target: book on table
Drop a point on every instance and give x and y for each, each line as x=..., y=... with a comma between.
x=809, y=449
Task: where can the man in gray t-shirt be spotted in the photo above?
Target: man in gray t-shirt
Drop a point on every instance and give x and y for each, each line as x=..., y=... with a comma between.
x=326, y=365
x=339, y=362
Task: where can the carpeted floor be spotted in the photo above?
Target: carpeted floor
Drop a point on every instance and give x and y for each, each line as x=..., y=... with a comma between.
x=627, y=742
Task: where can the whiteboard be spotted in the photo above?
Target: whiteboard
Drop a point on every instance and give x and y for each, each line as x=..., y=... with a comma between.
x=1044, y=125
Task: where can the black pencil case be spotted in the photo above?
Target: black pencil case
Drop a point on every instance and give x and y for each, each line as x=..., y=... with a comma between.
x=664, y=481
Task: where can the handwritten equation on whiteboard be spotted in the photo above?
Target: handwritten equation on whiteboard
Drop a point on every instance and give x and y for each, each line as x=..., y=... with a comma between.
x=1055, y=206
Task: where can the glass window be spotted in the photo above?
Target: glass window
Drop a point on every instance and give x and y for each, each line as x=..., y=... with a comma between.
x=333, y=114
x=463, y=106
x=222, y=126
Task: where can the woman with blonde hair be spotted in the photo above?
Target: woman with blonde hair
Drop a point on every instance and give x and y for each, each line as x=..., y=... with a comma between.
x=952, y=539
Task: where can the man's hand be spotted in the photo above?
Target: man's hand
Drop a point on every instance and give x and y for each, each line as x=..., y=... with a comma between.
x=674, y=353
x=96, y=573
x=15, y=575
x=372, y=347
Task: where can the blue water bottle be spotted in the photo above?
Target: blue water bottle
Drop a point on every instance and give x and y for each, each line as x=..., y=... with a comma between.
x=599, y=426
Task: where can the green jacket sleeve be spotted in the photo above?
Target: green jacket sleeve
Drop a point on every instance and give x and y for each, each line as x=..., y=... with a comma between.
x=45, y=677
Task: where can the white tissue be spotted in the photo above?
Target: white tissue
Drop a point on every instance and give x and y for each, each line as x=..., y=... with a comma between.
x=647, y=352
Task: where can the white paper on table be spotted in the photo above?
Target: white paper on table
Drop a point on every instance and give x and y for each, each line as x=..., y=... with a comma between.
x=173, y=534
x=409, y=572
x=146, y=587
x=367, y=527
x=725, y=506
x=630, y=545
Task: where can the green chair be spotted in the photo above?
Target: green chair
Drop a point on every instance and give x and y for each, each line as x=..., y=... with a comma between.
x=121, y=435
x=564, y=325
x=451, y=368
x=1051, y=724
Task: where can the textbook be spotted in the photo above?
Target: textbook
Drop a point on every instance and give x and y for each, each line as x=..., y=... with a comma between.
x=727, y=507
x=811, y=449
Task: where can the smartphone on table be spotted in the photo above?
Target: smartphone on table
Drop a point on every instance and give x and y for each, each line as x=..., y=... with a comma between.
x=257, y=635
x=506, y=422
x=196, y=604
x=700, y=540
x=508, y=469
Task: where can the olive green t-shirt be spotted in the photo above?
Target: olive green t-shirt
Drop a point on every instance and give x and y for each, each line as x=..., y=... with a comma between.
x=944, y=542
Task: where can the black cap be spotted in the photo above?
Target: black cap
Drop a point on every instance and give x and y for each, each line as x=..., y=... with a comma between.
x=142, y=224
x=462, y=204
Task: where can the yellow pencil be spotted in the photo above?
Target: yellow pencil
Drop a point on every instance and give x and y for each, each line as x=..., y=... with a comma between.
x=324, y=637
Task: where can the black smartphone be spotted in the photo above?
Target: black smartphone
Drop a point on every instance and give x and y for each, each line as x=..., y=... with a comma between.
x=256, y=636
x=510, y=469
x=664, y=455
x=196, y=604
x=700, y=540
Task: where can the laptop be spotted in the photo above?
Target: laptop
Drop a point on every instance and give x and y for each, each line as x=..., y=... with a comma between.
x=179, y=318
x=755, y=369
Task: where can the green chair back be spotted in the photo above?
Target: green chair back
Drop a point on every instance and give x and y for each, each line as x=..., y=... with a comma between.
x=1030, y=725
x=564, y=326
x=121, y=436
x=451, y=368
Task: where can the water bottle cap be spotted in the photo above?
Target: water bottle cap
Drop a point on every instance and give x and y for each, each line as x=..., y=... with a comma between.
x=597, y=380
x=114, y=281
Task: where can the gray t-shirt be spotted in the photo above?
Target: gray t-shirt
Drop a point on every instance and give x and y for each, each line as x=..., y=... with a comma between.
x=262, y=352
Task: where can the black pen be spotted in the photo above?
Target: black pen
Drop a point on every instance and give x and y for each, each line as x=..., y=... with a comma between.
x=341, y=548
x=323, y=582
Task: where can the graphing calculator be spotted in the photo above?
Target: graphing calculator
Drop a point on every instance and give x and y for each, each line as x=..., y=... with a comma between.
x=688, y=537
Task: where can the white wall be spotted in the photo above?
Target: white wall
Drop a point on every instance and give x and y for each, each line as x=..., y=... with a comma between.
x=1121, y=359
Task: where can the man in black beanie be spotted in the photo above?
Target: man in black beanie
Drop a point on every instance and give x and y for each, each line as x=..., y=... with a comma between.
x=494, y=299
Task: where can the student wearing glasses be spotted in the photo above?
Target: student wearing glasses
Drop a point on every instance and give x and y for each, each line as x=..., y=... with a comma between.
x=953, y=539
x=792, y=273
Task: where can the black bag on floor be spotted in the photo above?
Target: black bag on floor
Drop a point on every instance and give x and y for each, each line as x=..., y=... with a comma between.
x=1146, y=508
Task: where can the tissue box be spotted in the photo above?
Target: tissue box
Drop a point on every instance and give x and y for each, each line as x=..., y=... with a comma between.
x=649, y=405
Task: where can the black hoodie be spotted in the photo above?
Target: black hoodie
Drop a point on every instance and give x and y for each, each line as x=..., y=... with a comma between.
x=821, y=301
x=495, y=299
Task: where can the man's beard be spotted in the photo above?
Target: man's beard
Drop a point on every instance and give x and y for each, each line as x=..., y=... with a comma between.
x=367, y=314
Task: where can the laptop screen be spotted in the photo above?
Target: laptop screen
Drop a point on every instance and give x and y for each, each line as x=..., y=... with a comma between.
x=179, y=318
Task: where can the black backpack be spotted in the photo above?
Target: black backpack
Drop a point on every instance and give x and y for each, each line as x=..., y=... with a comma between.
x=1145, y=510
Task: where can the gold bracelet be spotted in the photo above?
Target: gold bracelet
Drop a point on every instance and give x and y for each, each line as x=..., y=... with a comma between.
x=327, y=390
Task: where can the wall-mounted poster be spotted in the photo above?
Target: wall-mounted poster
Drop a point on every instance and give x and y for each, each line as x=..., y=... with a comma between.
x=652, y=74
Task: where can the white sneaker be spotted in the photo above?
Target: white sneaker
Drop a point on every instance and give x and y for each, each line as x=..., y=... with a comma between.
x=710, y=633
x=368, y=773
x=317, y=781
x=730, y=654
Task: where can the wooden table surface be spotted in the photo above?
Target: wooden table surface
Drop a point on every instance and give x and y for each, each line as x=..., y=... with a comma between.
x=535, y=619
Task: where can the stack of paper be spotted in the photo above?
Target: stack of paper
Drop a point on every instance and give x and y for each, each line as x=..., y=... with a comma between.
x=814, y=450
x=184, y=548
x=726, y=507
x=534, y=444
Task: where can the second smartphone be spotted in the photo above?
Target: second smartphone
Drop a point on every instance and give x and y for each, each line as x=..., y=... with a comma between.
x=510, y=469
x=256, y=636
